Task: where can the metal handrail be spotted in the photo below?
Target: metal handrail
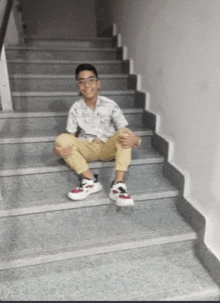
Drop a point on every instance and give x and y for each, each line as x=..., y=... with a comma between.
x=4, y=22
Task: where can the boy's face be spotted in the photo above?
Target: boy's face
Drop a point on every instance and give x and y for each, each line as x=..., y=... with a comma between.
x=88, y=84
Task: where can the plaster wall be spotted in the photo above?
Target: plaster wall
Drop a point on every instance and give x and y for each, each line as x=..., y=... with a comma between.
x=175, y=46
x=60, y=19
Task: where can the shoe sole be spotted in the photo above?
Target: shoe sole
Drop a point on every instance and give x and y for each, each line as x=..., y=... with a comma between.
x=99, y=188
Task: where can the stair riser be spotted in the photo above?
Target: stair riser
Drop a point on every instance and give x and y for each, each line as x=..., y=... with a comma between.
x=63, y=55
x=41, y=154
x=47, y=126
x=70, y=44
x=56, y=232
x=65, y=84
x=63, y=103
x=65, y=69
x=52, y=188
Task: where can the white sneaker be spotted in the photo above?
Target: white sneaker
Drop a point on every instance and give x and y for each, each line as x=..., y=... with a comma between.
x=85, y=188
x=119, y=194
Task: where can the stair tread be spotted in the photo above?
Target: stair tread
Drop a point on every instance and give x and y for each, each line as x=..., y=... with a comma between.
x=50, y=126
x=71, y=93
x=65, y=231
x=46, y=188
x=153, y=273
x=33, y=155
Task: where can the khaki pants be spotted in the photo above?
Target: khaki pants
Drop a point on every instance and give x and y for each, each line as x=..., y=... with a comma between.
x=84, y=151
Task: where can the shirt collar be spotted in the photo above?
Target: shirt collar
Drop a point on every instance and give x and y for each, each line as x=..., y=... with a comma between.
x=83, y=104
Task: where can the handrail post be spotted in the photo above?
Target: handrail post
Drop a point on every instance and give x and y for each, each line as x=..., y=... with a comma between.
x=4, y=21
x=5, y=91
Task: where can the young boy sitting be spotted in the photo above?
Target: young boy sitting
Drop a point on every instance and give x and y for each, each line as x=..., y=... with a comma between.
x=95, y=118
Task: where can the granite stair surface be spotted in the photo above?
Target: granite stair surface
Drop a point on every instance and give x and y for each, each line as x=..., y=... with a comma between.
x=53, y=248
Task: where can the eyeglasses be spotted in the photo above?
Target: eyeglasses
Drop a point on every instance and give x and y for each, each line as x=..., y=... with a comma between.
x=90, y=81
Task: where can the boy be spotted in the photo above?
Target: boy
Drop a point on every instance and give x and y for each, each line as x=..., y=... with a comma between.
x=96, y=118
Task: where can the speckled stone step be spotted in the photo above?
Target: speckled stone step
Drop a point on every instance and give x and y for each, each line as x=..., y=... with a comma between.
x=37, y=53
x=68, y=83
x=86, y=229
x=40, y=154
x=62, y=101
x=60, y=67
x=70, y=43
x=168, y=272
x=49, y=124
x=42, y=188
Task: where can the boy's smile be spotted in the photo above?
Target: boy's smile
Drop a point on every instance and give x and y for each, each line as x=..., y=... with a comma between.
x=88, y=85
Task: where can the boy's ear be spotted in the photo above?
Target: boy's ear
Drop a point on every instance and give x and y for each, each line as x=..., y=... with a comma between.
x=99, y=84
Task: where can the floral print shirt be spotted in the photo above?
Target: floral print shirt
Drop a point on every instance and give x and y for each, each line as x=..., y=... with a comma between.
x=100, y=123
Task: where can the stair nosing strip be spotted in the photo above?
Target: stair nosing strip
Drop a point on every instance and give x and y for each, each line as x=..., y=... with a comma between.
x=44, y=208
x=141, y=133
x=65, y=93
x=69, y=39
x=15, y=115
x=62, y=76
x=54, y=169
x=43, y=259
x=31, y=48
x=63, y=61
x=195, y=296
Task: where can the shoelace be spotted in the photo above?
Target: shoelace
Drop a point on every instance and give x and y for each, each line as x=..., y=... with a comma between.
x=122, y=190
x=81, y=185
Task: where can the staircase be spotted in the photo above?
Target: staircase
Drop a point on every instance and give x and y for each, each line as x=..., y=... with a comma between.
x=56, y=249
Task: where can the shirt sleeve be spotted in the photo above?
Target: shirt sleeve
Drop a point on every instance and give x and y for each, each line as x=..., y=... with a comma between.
x=118, y=117
x=71, y=125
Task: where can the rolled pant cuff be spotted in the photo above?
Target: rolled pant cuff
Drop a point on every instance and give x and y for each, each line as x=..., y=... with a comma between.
x=121, y=168
x=81, y=170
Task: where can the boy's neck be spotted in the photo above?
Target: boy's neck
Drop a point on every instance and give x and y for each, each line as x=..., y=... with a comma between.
x=91, y=103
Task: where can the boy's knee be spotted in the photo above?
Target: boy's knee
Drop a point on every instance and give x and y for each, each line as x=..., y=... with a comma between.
x=65, y=139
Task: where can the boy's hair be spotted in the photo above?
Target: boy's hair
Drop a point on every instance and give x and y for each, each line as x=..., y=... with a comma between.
x=85, y=66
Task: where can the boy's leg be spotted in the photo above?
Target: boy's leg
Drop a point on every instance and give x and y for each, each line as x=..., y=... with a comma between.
x=82, y=152
x=113, y=149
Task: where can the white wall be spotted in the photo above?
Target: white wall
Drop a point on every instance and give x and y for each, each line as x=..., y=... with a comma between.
x=175, y=45
x=60, y=18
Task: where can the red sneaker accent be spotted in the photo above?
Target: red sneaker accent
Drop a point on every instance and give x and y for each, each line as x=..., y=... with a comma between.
x=89, y=186
x=124, y=197
x=76, y=190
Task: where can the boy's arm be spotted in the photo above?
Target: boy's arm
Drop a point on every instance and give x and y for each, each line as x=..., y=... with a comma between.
x=64, y=152
x=128, y=139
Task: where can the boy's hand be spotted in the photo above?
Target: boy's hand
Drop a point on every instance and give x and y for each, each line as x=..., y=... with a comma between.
x=64, y=152
x=128, y=139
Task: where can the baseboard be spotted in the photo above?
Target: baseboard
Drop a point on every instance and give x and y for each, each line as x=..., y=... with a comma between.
x=209, y=260
x=186, y=210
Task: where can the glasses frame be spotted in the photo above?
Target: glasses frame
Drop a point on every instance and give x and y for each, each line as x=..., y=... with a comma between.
x=90, y=81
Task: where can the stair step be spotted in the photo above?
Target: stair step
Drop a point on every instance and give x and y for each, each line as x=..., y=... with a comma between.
x=44, y=188
x=71, y=43
x=62, y=232
x=37, y=53
x=49, y=125
x=168, y=272
x=54, y=67
x=62, y=101
x=68, y=82
x=40, y=154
